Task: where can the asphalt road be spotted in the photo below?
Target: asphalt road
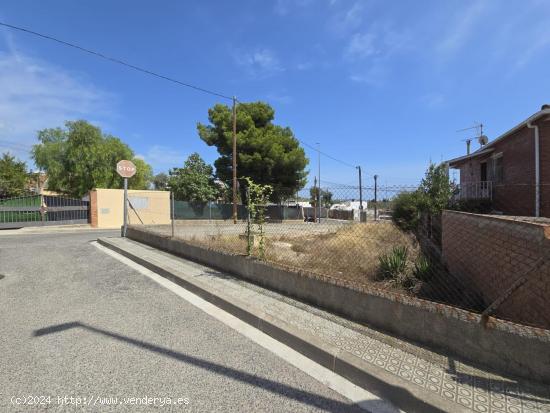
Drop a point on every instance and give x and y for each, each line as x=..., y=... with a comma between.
x=78, y=323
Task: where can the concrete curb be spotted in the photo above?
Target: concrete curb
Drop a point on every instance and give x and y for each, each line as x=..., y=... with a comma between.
x=502, y=347
x=376, y=380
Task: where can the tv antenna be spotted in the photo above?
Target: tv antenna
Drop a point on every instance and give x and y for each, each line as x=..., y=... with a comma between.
x=480, y=137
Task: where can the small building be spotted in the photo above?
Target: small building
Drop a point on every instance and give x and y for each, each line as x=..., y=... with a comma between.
x=144, y=207
x=513, y=170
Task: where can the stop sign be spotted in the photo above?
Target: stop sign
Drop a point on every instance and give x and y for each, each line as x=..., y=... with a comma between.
x=126, y=169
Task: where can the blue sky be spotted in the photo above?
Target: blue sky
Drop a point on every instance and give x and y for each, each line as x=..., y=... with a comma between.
x=380, y=84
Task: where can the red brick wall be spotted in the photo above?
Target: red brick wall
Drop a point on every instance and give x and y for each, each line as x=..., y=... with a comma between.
x=544, y=131
x=93, y=209
x=516, y=194
x=490, y=253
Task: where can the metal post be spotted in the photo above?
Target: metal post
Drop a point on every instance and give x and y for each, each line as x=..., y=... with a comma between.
x=234, y=160
x=375, y=197
x=360, y=191
x=125, y=207
x=315, y=198
x=319, y=193
x=173, y=204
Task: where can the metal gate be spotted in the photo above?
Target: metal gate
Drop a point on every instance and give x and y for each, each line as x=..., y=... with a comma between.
x=39, y=210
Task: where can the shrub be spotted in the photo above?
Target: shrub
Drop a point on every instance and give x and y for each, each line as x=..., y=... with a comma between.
x=422, y=268
x=406, y=210
x=394, y=264
x=476, y=206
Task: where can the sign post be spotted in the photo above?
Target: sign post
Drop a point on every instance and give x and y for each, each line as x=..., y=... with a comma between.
x=126, y=169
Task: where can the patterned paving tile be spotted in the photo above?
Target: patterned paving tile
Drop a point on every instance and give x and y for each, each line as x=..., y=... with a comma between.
x=467, y=386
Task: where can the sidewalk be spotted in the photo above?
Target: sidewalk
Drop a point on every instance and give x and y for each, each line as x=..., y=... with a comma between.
x=411, y=377
x=47, y=229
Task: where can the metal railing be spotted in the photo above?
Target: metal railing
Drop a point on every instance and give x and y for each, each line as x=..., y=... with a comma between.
x=475, y=190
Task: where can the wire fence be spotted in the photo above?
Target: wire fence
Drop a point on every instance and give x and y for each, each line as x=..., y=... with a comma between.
x=492, y=264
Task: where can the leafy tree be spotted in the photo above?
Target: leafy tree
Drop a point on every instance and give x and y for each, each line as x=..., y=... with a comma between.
x=436, y=188
x=269, y=154
x=194, y=182
x=13, y=176
x=80, y=157
x=326, y=197
x=432, y=196
x=160, y=181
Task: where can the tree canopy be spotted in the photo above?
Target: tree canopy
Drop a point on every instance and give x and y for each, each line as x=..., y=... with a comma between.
x=80, y=157
x=13, y=176
x=267, y=153
x=160, y=181
x=194, y=182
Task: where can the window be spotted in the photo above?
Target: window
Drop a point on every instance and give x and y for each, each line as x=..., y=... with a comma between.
x=483, y=171
x=498, y=169
x=138, y=202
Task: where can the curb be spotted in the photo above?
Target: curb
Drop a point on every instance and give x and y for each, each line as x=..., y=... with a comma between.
x=354, y=369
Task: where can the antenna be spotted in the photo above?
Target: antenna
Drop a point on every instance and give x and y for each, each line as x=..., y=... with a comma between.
x=480, y=137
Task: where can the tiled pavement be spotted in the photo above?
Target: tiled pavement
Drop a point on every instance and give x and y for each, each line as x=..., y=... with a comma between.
x=468, y=388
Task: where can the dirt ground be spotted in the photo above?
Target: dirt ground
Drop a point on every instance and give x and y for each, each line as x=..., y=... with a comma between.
x=339, y=249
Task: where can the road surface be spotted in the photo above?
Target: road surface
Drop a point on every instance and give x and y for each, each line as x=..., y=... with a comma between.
x=79, y=326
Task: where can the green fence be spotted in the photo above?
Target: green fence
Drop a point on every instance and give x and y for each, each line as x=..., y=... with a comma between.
x=7, y=216
x=215, y=211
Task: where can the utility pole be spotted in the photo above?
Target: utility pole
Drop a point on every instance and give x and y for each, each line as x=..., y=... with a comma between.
x=360, y=190
x=375, y=197
x=234, y=160
x=315, y=198
x=319, y=193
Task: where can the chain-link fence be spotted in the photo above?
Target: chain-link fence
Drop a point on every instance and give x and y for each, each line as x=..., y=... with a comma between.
x=486, y=263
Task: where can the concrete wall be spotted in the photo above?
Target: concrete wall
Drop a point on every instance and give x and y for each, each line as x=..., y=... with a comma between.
x=491, y=253
x=107, y=205
x=503, y=346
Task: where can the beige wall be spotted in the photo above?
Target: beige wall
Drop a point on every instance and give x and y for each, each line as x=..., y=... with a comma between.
x=153, y=207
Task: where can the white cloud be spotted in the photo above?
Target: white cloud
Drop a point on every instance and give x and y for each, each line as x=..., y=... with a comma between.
x=463, y=27
x=433, y=100
x=361, y=45
x=260, y=63
x=349, y=19
x=36, y=95
x=281, y=98
x=162, y=158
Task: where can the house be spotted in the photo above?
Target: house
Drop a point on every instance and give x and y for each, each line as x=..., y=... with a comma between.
x=513, y=170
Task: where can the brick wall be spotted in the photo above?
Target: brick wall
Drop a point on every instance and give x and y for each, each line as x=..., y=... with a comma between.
x=491, y=252
x=544, y=130
x=93, y=209
x=516, y=194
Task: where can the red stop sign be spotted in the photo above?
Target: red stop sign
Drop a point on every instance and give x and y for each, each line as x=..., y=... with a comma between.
x=126, y=169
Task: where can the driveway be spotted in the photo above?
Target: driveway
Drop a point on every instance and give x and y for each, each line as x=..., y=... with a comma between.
x=80, y=326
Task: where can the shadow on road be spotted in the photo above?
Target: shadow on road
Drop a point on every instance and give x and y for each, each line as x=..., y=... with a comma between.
x=312, y=399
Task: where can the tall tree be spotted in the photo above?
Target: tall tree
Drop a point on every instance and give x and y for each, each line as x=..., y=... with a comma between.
x=160, y=181
x=80, y=157
x=267, y=153
x=194, y=182
x=13, y=176
x=326, y=197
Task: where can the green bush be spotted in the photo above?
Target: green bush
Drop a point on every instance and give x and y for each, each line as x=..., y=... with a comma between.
x=407, y=207
x=422, y=268
x=476, y=206
x=394, y=264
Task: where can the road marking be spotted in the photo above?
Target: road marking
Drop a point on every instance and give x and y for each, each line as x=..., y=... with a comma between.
x=344, y=387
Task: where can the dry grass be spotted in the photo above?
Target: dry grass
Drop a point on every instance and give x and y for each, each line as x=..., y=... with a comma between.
x=349, y=253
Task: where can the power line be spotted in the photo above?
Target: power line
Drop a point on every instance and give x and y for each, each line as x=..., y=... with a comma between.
x=149, y=72
x=115, y=60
